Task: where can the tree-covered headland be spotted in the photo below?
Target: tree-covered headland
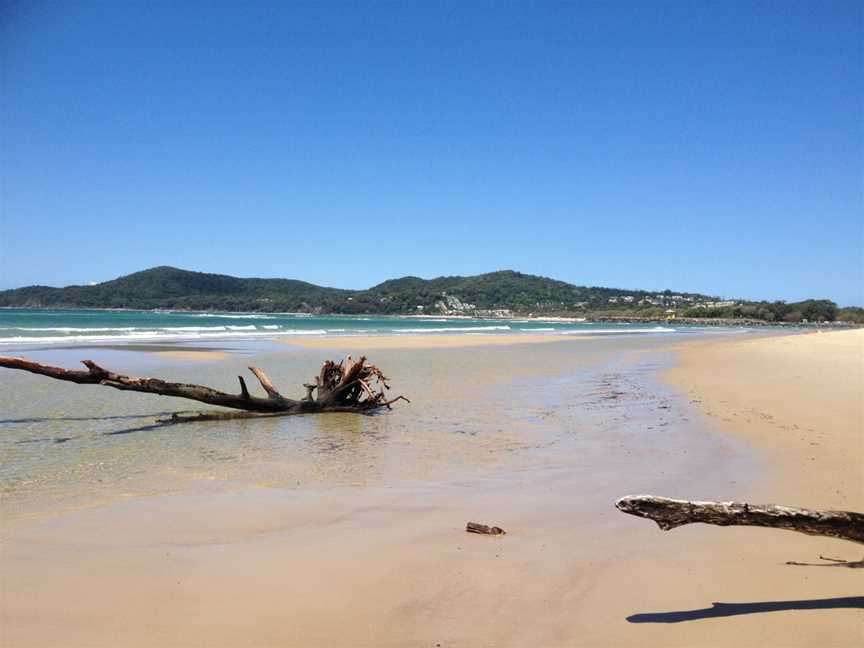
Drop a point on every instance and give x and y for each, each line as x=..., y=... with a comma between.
x=503, y=293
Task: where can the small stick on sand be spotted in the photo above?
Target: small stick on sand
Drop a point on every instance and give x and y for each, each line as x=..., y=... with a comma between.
x=475, y=527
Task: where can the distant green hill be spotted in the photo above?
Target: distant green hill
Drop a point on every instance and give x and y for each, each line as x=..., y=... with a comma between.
x=166, y=287
x=491, y=293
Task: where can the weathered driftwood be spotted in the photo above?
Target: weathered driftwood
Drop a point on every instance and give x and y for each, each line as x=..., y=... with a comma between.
x=476, y=527
x=348, y=386
x=671, y=513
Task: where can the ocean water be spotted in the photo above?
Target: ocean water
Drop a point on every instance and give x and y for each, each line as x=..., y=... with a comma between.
x=474, y=412
x=22, y=327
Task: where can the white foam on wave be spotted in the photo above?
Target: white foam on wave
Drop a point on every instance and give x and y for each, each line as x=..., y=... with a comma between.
x=157, y=335
x=718, y=329
x=656, y=329
x=538, y=329
x=127, y=329
x=191, y=328
x=445, y=329
x=68, y=329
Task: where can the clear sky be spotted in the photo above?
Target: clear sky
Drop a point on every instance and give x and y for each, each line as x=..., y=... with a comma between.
x=715, y=147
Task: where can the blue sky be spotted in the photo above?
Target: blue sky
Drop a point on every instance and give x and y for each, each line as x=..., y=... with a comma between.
x=715, y=147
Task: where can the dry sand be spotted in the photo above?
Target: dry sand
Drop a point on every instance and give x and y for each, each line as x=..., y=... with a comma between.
x=391, y=566
x=798, y=400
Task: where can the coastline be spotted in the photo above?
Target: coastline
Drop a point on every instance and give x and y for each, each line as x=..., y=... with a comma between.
x=562, y=431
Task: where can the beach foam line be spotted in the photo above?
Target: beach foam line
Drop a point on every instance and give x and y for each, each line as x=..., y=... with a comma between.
x=446, y=329
x=139, y=336
x=68, y=329
x=189, y=328
x=97, y=329
x=538, y=329
x=656, y=329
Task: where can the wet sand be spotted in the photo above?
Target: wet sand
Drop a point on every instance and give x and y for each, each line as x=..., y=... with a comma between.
x=360, y=541
x=195, y=355
x=428, y=341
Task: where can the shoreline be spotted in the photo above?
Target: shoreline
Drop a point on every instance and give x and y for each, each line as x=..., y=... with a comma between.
x=612, y=419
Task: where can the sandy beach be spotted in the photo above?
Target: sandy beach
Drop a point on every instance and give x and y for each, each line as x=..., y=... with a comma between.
x=372, y=342
x=414, y=324
x=340, y=530
x=797, y=401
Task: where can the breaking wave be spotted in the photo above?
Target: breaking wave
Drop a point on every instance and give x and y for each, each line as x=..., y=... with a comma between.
x=446, y=329
x=656, y=329
x=175, y=333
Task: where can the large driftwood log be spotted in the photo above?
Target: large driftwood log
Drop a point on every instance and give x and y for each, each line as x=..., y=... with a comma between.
x=349, y=386
x=671, y=513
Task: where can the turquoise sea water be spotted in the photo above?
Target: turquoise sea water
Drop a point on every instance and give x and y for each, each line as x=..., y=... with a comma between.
x=26, y=327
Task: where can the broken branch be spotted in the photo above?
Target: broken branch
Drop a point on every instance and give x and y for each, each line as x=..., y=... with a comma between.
x=671, y=513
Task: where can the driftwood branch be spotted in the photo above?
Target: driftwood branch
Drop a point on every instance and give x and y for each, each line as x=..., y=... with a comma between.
x=272, y=392
x=349, y=386
x=671, y=513
x=244, y=392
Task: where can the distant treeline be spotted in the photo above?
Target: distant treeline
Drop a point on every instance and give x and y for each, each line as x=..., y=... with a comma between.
x=810, y=310
x=503, y=292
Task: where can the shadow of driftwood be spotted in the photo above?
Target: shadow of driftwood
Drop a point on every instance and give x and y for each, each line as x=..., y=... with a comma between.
x=734, y=609
x=123, y=417
x=831, y=562
x=140, y=428
x=48, y=419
